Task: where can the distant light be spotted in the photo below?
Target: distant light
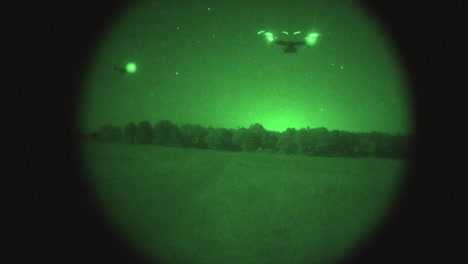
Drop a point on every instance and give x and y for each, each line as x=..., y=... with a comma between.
x=269, y=36
x=311, y=39
x=131, y=67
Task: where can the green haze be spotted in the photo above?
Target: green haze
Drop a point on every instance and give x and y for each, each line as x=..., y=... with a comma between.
x=203, y=62
x=230, y=64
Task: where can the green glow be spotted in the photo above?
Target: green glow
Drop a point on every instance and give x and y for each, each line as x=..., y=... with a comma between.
x=206, y=206
x=285, y=32
x=269, y=36
x=131, y=67
x=311, y=39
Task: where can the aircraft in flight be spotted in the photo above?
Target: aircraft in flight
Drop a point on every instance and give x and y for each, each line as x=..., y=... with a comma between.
x=129, y=68
x=271, y=39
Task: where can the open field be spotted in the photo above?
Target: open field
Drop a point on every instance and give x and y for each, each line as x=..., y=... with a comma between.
x=204, y=206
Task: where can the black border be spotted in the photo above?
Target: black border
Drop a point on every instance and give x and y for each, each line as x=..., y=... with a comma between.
x=51, y=218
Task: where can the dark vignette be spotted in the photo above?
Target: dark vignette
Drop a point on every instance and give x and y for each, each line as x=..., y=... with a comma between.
x=50, y=214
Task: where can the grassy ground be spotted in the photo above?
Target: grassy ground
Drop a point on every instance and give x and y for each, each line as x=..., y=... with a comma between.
x=203, y=206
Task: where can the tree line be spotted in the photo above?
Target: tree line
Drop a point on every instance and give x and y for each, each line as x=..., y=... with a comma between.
x=305, y=141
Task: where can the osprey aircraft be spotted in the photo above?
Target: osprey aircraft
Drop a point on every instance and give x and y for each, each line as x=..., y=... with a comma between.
x=271, y=39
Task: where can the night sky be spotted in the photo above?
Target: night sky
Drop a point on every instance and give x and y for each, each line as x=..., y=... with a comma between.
x=202, y=62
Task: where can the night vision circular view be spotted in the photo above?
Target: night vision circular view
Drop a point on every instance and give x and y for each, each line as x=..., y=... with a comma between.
x=245, y=131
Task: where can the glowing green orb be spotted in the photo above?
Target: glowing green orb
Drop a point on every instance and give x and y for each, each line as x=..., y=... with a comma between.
x=131, y=67
x=311, y=39
x=269, y=36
